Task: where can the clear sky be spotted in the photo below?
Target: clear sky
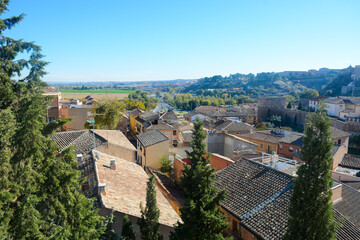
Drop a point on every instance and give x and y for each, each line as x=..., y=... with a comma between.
x=130, y=40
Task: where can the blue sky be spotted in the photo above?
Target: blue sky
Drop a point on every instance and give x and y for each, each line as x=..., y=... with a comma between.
x=130, y=40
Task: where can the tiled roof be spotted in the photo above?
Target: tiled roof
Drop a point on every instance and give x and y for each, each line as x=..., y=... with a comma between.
x=259, y=197
x=150, y=116
x=126, y=188
x=349, y=205
x=153, y=137
x=293, y=139
x=351, y=161
x=232, y=126
x=160, y=125
x=83, y=141
x=169, y=115
x=264, y=136
x=115, y=137
x=337, y=133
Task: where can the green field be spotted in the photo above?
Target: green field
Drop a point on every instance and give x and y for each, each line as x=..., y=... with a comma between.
x=97, y=91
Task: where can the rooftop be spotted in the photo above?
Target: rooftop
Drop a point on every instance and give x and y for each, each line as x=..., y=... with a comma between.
x=160, y=125
x=293, y=139
x=115, y=137
x=126, y=189
x=337, y=133
x=233, y=126
x=351, y=161
x=265, y=136
x=150, y=138
x=169, y=115
x=259, y=197
x=83, y=140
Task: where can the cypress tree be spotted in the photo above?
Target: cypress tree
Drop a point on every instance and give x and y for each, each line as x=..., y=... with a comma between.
x=39, y=187
x=149, y=221
x=311, y=214
x=109, y=233
x=201, y=218
x=127, y=231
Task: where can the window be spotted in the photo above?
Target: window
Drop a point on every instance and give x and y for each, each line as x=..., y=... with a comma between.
x=280, y=145
x=174, y=132
x=291, y=149
x=261, y=145
x=339, y=142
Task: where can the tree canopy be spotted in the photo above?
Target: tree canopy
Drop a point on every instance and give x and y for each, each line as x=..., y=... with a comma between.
x=311, y=213
x=201, y=218
x=39, y=186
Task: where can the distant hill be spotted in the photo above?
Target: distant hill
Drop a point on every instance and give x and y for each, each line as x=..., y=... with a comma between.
x=262, y=83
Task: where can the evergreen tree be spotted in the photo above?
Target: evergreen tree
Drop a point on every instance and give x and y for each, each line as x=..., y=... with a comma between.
x=127, y=231
x=109, y=233
x=300, y=106
x=201, y=218
x=311, y=214
x=39, y=188
x=149, y=221
x=289, y=105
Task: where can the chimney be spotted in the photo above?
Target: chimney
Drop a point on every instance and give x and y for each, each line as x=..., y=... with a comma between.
x=80, y=158
x=113, y=164
x=101, y=188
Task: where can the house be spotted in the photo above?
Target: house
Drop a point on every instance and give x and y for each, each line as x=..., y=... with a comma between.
x=217, y=162
x=352, y=108
x=290, y=144
x=132, y=119
x=168, y=130
x=258, y=200
x=315, y=102
x=151, y=146
x=120, y=186
x=108, y=141
x=233, y=127
x=334, y=105
x=349, y=165
x=170, y=117
x=267, y=141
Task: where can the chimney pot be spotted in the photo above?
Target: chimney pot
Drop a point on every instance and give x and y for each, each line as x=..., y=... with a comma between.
x=113, y=164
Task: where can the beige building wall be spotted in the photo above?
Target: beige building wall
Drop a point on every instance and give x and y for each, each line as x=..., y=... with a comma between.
x=79, y=117
x=118, y=151
x=150, y=156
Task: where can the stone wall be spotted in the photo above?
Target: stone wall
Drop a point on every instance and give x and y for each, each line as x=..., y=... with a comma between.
x=268, y=106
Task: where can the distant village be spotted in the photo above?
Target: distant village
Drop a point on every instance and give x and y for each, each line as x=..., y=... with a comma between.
x=255, y=164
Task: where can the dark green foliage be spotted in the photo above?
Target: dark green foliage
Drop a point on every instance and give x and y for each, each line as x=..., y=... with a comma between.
x=300, y=106
x=334, y=87
x=39, y=188
x=127, y=231
x=201, y=218
x=311, y=214
x=276, y=120
x=149, y=221
x=109, y=233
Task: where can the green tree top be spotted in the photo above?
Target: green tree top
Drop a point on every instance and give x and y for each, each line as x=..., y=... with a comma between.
x=201, y=219
x=149, y=221
x=311, y=214
x=310, y=93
